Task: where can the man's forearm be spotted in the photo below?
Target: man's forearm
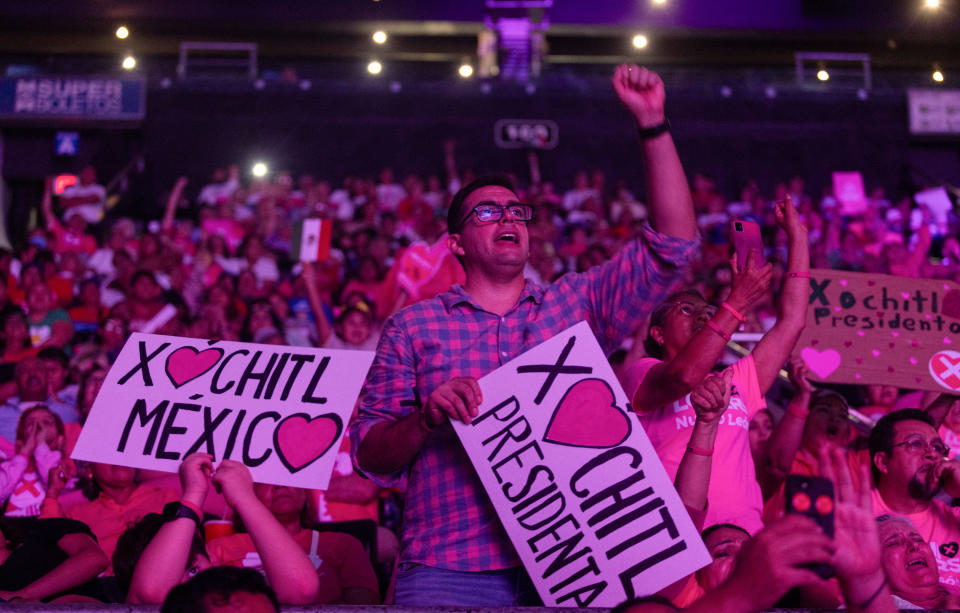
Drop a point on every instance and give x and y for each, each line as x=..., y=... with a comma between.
x=389, y=447
x=671, y=206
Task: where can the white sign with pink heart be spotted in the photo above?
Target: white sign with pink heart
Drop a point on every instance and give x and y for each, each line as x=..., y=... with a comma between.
x=574, y=479
x=280, y=410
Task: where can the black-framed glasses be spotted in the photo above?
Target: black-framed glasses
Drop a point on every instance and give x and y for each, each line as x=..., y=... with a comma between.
x=489, y=211
x=918, y=446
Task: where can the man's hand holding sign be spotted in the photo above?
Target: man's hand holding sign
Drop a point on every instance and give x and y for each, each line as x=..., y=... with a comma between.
x=280, y=411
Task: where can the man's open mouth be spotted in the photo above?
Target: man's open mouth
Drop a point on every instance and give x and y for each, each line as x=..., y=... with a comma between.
x=510, y=237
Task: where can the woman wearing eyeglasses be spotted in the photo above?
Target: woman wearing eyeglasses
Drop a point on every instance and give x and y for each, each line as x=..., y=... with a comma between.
x=686, y=339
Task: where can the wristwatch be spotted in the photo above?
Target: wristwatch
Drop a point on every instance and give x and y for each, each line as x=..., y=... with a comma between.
x=654, y=131
x=176, y=510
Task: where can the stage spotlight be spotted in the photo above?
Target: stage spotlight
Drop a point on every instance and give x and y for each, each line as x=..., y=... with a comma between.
x=931, y=4
x=640, y=41
x=660, y=1
x=122, y=32
x=937, y=76
x=465, y=71
x=259, y=170
x=129, y=63
x=374, y=67
x=823, y=75
x=379, y=37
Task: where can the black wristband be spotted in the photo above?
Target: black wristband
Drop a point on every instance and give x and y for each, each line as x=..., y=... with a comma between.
x=654, y=131
x=176, y=510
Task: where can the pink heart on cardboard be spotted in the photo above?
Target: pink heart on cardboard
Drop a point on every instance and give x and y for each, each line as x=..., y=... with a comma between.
x=300, y=440
x=951, y=304
x=586, y=416
x=186, y=363
x=822, y=363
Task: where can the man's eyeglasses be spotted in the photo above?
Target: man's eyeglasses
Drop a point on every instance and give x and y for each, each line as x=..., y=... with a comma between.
x=487, y=212
x=918, y=446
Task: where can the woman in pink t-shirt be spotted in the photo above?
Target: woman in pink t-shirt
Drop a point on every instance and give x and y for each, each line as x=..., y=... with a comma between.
x=687, y=336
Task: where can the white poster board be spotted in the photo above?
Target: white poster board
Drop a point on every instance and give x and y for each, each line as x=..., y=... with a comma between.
x=575, y=481
x=280, y=410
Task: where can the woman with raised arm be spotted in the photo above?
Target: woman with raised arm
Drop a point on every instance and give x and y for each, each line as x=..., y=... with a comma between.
x=687, y=336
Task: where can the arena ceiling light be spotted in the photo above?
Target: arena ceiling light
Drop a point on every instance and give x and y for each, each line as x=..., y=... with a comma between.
x=379, y=37
x=931, y=4
x=374, y=67
x=122, y=32
x=823, y=75
x=129, y=63
x=937, y=75
x=640, y=41
x=465, y=70
x=259, y=170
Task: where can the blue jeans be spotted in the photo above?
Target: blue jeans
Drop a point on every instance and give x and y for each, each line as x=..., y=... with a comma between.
x=427, y=586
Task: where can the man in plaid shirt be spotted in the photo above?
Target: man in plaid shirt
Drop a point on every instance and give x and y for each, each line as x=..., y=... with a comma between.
x=454, y=550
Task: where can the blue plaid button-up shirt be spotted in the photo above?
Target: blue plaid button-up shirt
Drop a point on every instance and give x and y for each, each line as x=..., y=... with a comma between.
x=449, y=522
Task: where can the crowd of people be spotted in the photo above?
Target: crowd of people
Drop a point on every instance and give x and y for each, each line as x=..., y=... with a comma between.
x=447, y=277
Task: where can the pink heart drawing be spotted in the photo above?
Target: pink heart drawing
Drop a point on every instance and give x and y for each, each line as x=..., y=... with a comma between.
x=951, y=304
x=186, y=363
x=822, y=363
x=301, y=440
x=944, y=367
x=586, y=416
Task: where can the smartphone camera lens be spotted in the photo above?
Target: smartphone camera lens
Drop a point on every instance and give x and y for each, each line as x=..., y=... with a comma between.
x=738, y=227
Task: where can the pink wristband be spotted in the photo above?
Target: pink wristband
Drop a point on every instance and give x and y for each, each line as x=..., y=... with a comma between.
x=713, y=326
x=699, y=451
x=733, y=311
x=798, y=275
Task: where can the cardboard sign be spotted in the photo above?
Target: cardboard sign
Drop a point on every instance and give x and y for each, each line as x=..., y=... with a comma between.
x=849, y=192
x=870, y=328
x=280, y=410
x=575, y=481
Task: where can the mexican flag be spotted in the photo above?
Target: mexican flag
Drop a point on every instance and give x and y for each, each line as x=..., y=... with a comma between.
x=311, y=240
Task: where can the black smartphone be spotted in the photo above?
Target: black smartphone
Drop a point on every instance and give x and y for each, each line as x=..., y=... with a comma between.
x=813, y=497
